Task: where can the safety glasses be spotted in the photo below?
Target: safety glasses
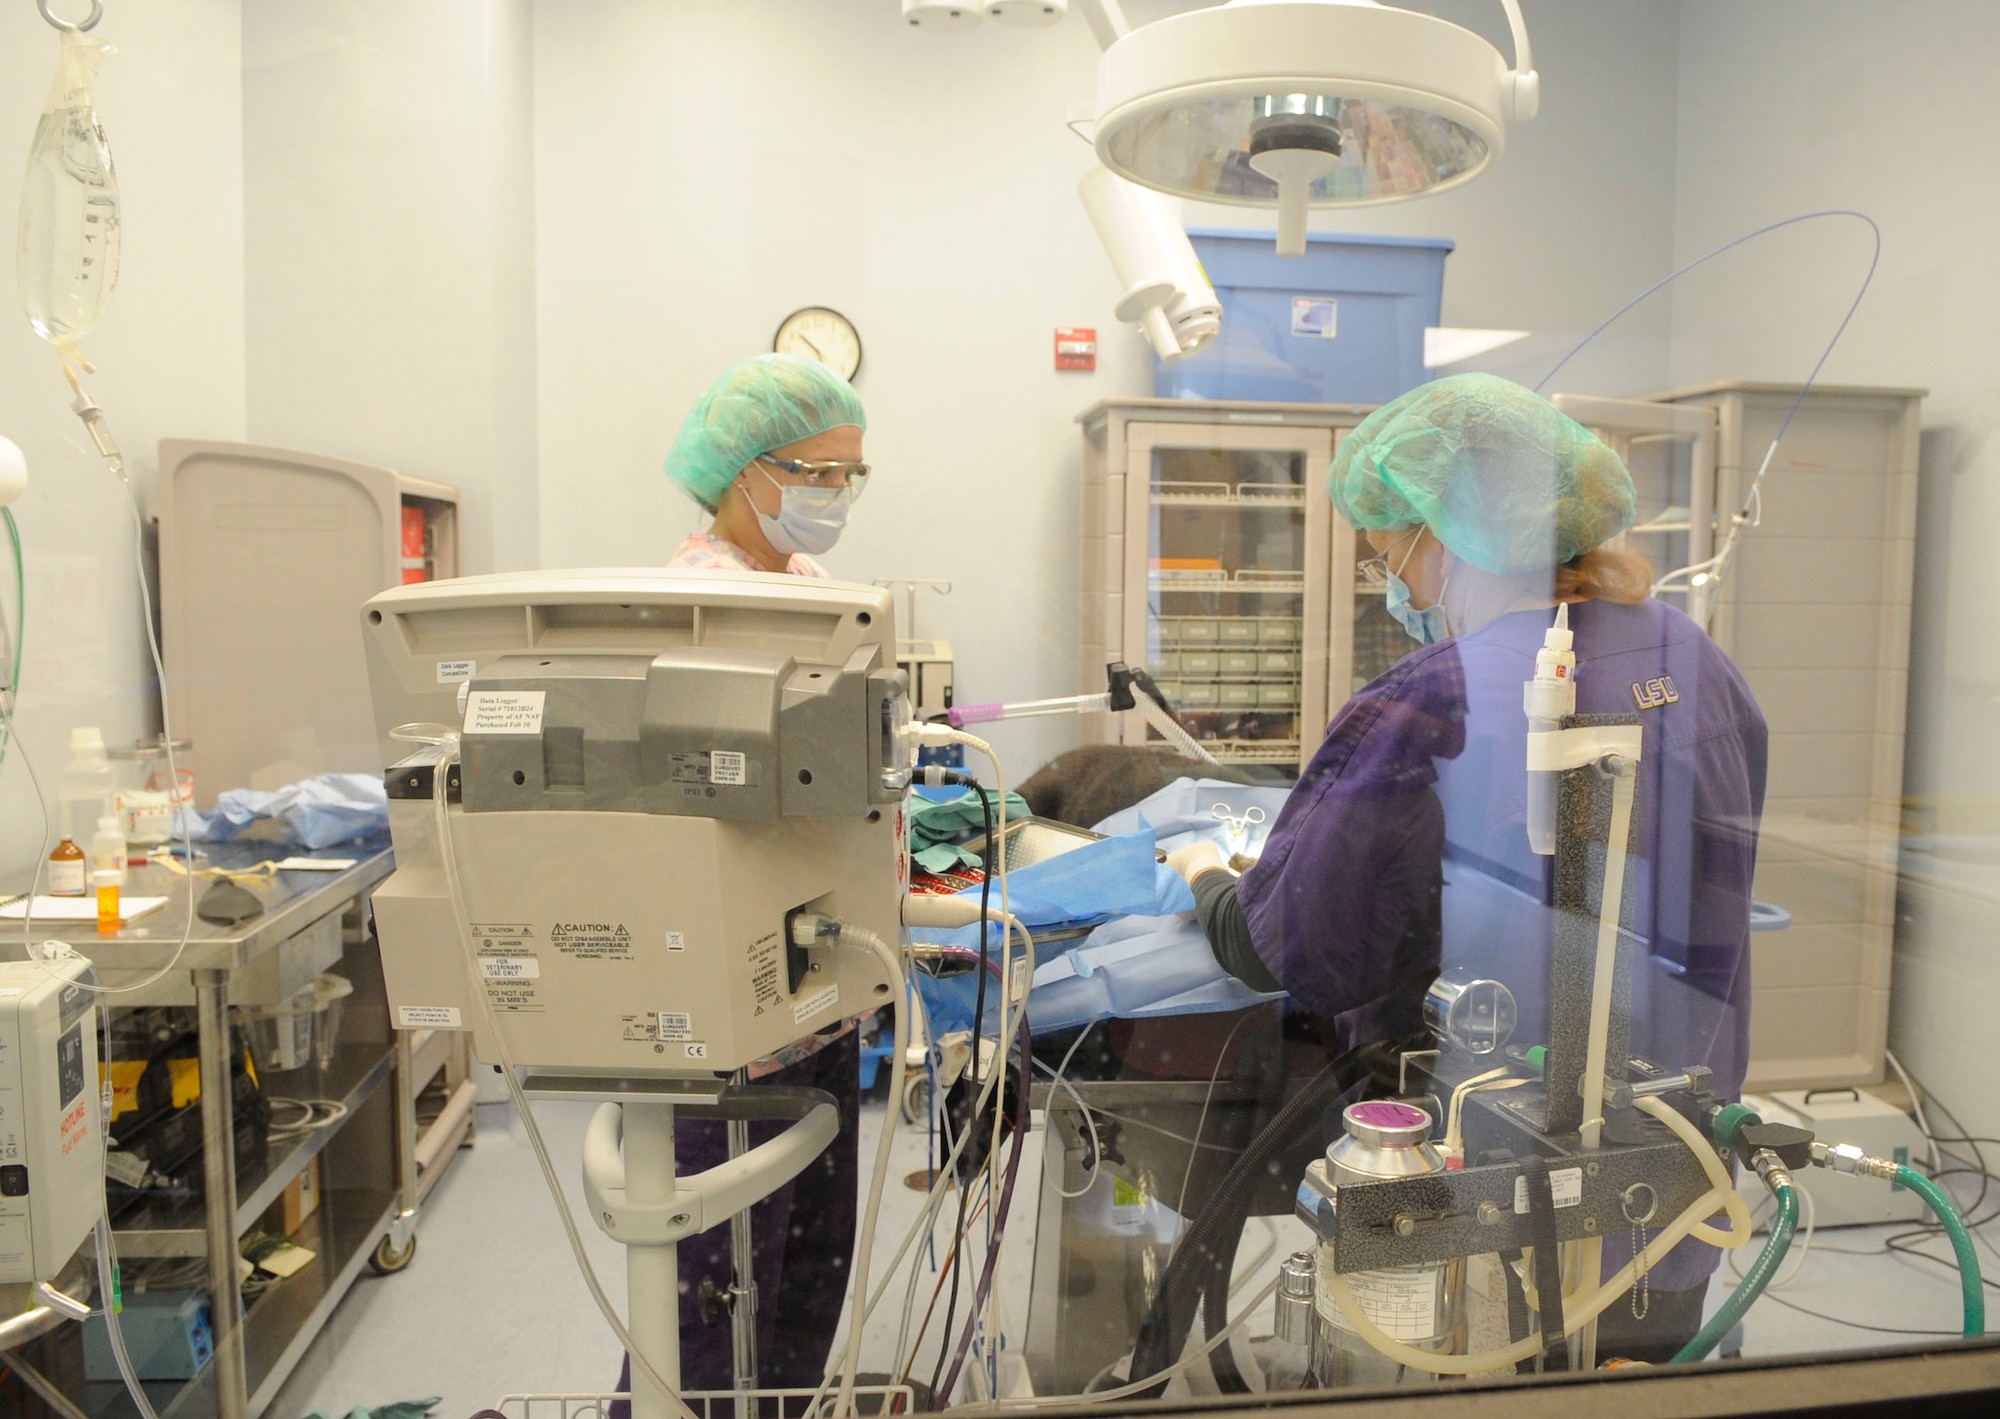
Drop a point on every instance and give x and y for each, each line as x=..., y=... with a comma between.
x=852, y=476
x=1375, y=571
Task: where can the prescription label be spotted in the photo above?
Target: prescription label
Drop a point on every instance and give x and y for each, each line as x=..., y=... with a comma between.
x=815, y=1004
x=1402, y=1300
x=676, y=1027
x=1565, y=1183
x=427, y=1017
x=504, y=711
x=451, y=672
x=727, y=769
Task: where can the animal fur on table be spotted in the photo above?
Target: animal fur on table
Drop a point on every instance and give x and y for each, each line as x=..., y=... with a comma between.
x=1087, y=785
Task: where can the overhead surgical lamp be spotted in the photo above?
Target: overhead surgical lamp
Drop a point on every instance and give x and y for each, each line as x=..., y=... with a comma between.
x=943, y=14
x=1304, y=103
x=1028, y=14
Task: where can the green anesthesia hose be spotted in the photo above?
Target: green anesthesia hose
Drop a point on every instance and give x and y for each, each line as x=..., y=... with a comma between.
x=1754, y=1280
x=1961, y=1244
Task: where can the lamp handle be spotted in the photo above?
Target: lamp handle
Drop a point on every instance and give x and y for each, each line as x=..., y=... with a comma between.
x=1524, y=84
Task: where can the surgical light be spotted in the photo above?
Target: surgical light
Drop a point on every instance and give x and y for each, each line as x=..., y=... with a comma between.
x=1308, y=103
x=942, y=14
x=1027, y=13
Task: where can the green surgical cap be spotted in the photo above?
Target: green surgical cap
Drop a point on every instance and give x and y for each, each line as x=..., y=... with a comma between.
x=1503, y=478
x=759, y=404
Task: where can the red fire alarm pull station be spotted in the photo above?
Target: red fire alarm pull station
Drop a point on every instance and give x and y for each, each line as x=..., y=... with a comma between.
x=1076, y=348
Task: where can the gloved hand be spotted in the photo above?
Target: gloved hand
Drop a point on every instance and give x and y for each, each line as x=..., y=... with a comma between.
x=1196, y=858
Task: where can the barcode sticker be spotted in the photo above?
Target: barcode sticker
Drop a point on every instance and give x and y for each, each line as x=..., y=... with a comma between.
x=1565, y=1183
x=676, y=1027
x=728, y=768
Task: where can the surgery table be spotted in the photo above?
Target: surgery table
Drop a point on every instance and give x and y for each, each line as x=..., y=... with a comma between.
x=374, y=1167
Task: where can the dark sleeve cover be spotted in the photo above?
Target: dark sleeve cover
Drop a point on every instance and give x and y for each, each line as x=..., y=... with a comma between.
x=1343, y=905
x=1220, y=912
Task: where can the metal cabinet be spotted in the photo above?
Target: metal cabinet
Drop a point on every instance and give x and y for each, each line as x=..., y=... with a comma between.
x=1814, y=607
x=276, y=550
x=1213, y=557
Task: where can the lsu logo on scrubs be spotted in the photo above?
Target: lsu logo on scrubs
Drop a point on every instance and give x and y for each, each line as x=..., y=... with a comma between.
x=1654, y=693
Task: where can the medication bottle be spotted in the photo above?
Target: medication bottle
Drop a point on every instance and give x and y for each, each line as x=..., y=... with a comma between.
x=107, y=848
x=106, y=885
x=68, y=877
x=88, y=785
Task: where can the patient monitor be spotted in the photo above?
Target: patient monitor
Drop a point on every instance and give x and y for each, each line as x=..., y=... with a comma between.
x=659, y=770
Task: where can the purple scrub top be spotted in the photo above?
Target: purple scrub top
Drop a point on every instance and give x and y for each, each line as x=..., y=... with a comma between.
x=1403, y=847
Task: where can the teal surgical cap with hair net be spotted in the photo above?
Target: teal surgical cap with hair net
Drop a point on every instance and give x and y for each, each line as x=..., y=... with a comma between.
x=1504, y=479
x=759, y=404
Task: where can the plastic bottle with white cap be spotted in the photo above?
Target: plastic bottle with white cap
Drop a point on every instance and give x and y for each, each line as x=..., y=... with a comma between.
x=1547, y=699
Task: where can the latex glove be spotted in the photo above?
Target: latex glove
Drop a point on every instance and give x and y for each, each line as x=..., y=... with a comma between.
x=1196, y=858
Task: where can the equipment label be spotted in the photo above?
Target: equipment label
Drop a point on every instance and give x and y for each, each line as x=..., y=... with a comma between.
x=591, y=940
x=677, y=941
x=813, y=1004
x=427, y=1017
x=450, y=672
x=676, y=1027
x=1403, y=1300
x=504, y=711
x=696, y=1049
x=1315, y=317
x=510, y=968
x=1565, y=1183
x=764, y=972
x=727, y=768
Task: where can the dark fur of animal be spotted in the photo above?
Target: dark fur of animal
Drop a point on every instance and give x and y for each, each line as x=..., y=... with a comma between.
x=1085, y=786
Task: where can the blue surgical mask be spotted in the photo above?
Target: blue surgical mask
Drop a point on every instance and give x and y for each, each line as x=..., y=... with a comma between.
x=809, y=520
x=1425, y=627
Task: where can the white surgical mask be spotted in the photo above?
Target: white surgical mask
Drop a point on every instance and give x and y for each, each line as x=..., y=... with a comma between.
x=809, y=520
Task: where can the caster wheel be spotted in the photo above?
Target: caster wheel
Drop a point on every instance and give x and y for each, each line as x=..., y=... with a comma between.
x=916, y=1089
x=387, y=1261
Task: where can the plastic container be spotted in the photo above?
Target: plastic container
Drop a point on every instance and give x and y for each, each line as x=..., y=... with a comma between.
x=88, y=784
x=1343, y=324
x=107, y=849
x=300, y=1031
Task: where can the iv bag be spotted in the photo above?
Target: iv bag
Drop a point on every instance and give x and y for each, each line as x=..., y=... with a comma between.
x=67, y=262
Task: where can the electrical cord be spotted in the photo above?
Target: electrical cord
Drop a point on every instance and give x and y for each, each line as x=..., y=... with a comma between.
x=995, y=854
x=1057, y=1081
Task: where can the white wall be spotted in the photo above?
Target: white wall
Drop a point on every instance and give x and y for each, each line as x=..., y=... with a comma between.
x=1794, y=105
x=389, y=247
x=169, y=358
x=703, y=168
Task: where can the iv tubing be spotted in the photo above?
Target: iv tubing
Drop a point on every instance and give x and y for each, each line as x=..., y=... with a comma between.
x=1961, y=1244
x=1722, y=1195
x=1754, y=1281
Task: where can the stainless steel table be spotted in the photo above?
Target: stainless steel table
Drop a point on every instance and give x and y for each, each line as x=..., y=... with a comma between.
x=375, y=1206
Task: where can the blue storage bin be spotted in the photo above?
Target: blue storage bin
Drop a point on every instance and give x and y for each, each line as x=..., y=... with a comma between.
x=1342, y=324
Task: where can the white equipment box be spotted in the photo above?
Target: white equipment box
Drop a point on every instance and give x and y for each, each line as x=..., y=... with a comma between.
x=1855, y=1116
x=51, y=1132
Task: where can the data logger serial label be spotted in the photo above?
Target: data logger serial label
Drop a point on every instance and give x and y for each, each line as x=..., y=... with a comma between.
x=1565, y=1183
x=427, y=1017
x=504, y=711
